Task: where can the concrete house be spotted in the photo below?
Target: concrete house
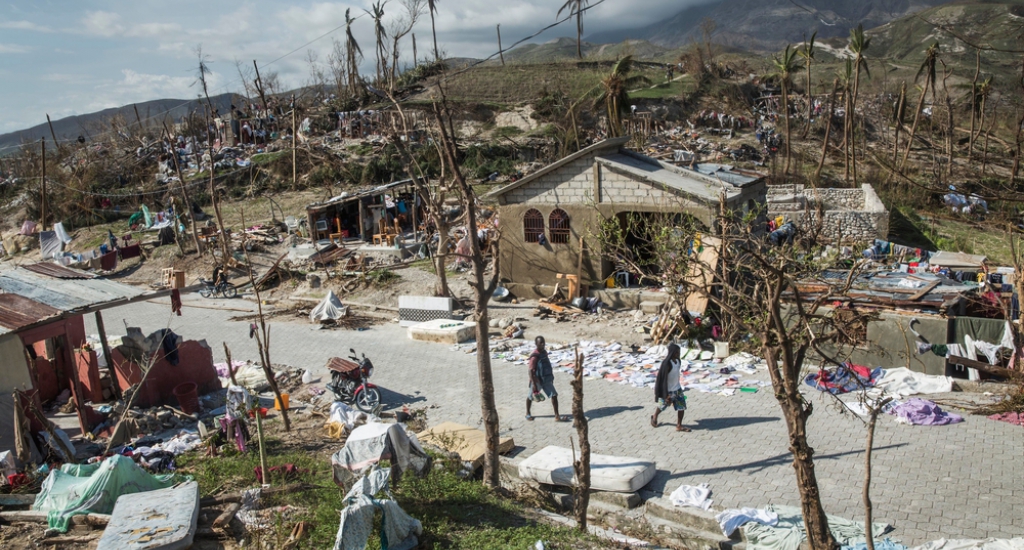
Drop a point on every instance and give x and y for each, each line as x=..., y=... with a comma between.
x=544, y=216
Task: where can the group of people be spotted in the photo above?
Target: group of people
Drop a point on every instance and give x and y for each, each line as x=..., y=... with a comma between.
x=668, y=391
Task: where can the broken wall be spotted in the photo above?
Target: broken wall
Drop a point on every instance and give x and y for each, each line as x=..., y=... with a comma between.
x=195, y=364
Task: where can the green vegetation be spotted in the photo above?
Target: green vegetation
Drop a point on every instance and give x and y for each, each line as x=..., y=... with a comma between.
x=676, y=88
x=507, y=131
x=481, y=161
x=907, y=227
x=456, y=513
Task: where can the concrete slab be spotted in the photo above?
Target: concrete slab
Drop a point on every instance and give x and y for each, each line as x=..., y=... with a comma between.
x=156, y=520
x=443, y=331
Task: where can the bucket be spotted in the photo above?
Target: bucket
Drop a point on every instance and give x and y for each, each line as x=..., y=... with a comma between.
x=284, y=400
x=188, y=397
x=721, y=350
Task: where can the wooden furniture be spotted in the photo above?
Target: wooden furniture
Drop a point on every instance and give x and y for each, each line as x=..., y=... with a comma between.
x=575, y=288
x=385, y=234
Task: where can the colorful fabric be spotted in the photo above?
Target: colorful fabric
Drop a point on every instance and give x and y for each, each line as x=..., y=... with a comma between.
x=921, y=412
x=844, y=379
x=1014, y=418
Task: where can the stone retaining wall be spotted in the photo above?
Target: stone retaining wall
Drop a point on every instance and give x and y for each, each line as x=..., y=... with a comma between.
x=850, y=215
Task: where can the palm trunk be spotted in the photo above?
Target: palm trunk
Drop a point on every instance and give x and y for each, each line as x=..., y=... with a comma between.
x=846, y=133
x=853, y=120
x=828, y=128
x=1016, y=153
x=913, y=128
x=807, y=126
x=785, y=114
x=433, y=29
x=984, y=152
x=579, y=32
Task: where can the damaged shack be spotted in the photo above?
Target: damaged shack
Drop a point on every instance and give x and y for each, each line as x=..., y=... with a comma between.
x=45, y=352
x=375, y=216
x=937, y=323
x=546, y=217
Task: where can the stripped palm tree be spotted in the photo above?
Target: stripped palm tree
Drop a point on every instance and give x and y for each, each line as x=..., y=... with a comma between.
x=926, y=70
x=432, y=8
x=613, y=93
x=576, y=8
x=807, y=54
x=898, y=114
x=353, y=53
x=785, y=66
x=858, y=44
x=376, y=11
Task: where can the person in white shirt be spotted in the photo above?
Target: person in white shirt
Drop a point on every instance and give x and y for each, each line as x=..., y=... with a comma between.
x=668, y=391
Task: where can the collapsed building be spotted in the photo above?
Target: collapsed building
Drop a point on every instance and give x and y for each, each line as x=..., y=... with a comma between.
x=45, y=352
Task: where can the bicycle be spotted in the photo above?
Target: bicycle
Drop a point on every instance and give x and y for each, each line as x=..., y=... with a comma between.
x=209, y=289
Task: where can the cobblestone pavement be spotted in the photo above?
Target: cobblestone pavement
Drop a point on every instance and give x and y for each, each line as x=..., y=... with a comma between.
x=960, y=481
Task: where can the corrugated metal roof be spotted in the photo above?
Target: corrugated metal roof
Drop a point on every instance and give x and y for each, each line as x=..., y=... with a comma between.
x=18, y=311
x=64, y=294
x=58, y=271
x=346, y=197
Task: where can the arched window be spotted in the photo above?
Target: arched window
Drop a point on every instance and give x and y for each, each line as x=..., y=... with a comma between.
x=558, y=223
x=533, y=226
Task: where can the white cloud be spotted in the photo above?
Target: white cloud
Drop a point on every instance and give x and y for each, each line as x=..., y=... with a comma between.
x=14, y=48
x=24, y=26
x=108, y=25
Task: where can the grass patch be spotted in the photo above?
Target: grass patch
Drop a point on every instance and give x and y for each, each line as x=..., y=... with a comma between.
x=662, y=90
x=456, y=514
x=267, y=158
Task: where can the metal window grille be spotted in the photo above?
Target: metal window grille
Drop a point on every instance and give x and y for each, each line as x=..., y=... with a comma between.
x=533, y=226
x=558, y=223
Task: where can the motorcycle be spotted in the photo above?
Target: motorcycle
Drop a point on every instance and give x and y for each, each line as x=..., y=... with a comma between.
x=349, y=382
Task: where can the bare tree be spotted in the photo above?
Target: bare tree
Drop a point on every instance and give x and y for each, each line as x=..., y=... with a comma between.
x=483, y=286
x=432, y=8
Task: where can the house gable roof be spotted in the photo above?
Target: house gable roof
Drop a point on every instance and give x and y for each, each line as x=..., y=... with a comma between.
x=612, y=143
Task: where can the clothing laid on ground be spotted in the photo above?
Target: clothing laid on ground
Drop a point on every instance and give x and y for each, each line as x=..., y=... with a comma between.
x=921, y=412
x=733, y=519
x=688, y=495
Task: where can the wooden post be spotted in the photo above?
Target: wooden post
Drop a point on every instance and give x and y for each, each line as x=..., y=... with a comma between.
x=414, y=58
x=500, y=51
x=137, y=118
x=581, y=467
x=295, y=144
x=52, y=134
x=42, y=198
x=415, y=228
x=579, y=271
x=105, y=345
x=362, y=221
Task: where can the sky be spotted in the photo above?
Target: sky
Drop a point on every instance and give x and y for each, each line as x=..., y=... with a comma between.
x=68, y=57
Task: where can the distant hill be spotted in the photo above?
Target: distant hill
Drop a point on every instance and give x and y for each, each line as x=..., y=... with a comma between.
x=87, y=125
x=564, y=49
x=768, y=25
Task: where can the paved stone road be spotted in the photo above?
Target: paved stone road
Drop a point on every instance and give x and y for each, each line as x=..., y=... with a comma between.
x=960, y=481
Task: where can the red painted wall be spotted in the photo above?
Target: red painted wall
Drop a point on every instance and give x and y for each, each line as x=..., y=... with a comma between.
x=87, y=368
x=195, y=365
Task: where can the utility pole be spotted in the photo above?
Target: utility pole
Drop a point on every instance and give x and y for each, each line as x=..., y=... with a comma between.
x=500, y=51
x=52, y=134
x=414, y=61
x=42, y=198
x=295, y=144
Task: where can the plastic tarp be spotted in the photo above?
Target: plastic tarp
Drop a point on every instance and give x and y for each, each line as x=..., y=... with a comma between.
x=330, y=309
x=93, y=489
x=370, y=443
x=987, y=544
x=903, y=382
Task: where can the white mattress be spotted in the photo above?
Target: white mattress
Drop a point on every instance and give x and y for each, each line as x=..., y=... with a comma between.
x=553, y=465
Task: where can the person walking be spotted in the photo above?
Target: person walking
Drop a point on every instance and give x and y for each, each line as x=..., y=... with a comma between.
x=542, y=380
x=667, y=390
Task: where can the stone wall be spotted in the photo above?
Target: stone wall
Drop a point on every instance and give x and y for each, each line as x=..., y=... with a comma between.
x=850, y=215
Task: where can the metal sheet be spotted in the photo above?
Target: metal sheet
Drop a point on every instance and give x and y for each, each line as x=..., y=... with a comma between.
x=18, y=311
x=58, y=271
x=64, y=294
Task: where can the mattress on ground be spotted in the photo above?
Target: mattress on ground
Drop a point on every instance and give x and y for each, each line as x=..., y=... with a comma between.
x=553, y=465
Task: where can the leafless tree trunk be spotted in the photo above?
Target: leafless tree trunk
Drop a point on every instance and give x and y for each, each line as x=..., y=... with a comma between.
x=262, y=335
x=187, y=207
x=913, y=128
x=974, y=102
x=581, y=467
x=483, y=288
